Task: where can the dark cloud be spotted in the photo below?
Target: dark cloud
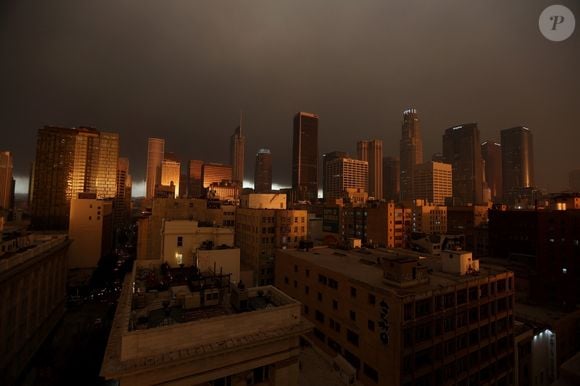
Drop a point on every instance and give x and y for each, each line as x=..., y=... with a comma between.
x=182, y=70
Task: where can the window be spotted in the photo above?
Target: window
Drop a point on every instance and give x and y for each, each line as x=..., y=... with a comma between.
x=285, y=279
x=352, y=337
x=306, y=310
x=371, y=373
x=353, y=316
x=335, y=305
x=322, y=279
x=319, y=297
x=371, y=325
x=353, y=292
x=306, y=290
x=319, y=334
x=372, y=299
x=408, y=311
x=180, y=241
x=295, y=284
x=295, y=268
x=307, y=273
x=319, y=316
x=332, y=283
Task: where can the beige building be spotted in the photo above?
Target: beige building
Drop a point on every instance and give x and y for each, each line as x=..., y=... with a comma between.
x=342, y=174
x=429, y=218
x=389, y=225
x=208, y=212
x=91, y=232
x=433, y=182
x=401, y=319
x=260, y=231
x=32, y=299
x=263, y=201
x=204, y=333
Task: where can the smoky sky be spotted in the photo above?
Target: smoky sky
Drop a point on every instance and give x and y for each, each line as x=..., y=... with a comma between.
x=182, y=70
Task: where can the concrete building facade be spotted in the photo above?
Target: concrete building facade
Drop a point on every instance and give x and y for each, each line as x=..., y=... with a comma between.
x=433, y=182
x=403, y=320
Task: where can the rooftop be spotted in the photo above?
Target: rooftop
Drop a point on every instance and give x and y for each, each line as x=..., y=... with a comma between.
x=365, y=266
x=18, y=249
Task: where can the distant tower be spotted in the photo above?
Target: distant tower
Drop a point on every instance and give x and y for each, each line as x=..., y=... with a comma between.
x=372, y=152
x=6, y=167
x=237, y=149
x=326, y=158
x=305, y=156
x=411, y=152
x=491, y=154
x=263, y=171
x=391, y=178
x=517, y=160
x=122, y=201
x=194, y=182
x=171, y=172
x=462, y=149
x=155, y=152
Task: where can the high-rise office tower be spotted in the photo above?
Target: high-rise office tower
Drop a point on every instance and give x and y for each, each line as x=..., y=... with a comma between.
x=574, y=180
x=171, y=172
x=237, y=150
x=462, y=149
x=343, y=174
x=194, y=185
x=155, y=151
x=327, y=157
x=68, y=162
x=411, y=152
x=215, y=173
x=391, y=176
x=372, y=152
x=6, y=166
x=491, y=154
x=517, y=159
x=305, y=156
x=122, y=202
x=263, y=171
x=433, y=182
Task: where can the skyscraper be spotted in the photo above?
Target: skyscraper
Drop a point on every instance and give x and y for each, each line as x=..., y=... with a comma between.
x=433, y=182
x=68, y=162
x=215, y=173
x=517, y=160
x=491, y=154
x=462, y=149
x=343, y=174
x=171, y=172
x=194, y=185
x=305, y=156
x=6, y=166
x=372, y=152
x=391, y=176
x=327, y=157
x=411, y=148
x=122, y=202
x=263, y=171
x=237, y=150
x=155, y=151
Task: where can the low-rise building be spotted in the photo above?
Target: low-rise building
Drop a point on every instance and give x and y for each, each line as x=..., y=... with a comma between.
x=201, y=330
x=403, y=318
x=32, y=298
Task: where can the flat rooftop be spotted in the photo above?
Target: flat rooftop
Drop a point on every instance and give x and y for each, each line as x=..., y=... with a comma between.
x=363, y=265
x=29, y=246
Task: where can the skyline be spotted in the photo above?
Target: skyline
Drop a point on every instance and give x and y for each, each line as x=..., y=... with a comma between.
x=359, y=76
